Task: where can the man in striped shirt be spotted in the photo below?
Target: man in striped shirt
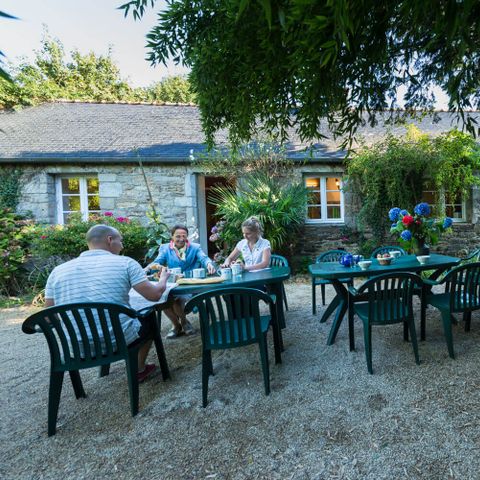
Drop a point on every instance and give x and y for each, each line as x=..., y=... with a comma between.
x=100, y=274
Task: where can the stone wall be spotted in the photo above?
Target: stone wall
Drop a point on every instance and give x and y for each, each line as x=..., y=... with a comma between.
x=122, y=190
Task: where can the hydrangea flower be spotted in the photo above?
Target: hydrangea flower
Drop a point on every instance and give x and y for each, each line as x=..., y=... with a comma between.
x=422, y=209
x=394, y=225
x=447, y=223
x=404, y=212
x=393, y=214
x=406, y=235
x=214, y=229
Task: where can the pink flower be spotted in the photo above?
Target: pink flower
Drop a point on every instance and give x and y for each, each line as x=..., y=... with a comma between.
x=43, y=237
x=108, y=214
x=123, y=219
x=214, y=237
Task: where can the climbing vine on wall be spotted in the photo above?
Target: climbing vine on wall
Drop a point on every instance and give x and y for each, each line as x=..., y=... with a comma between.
x=9, y=187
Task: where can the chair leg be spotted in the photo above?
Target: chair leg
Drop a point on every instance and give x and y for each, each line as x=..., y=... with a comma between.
x=413, y=335
x=322, y=288
x=77, y=384
x=55, y=390
x=405, y=331
x=264, y=359
x=367, y=335
x=467, y=316
x=351, y=329
x=285, y=297
x=162, y=358
x=104, y=370
x=447, y=328
x=206, y=371
x=131, y=364
x=314, y=297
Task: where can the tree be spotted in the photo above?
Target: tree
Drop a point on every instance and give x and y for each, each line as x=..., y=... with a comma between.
x=299, y=62
x=88, y=77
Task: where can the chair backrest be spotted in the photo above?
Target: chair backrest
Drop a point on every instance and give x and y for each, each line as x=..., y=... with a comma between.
x=278, y=261
x=81, y=335
x=387, y=249
x=229, y=317
x=463, y=284
x=330, y=256
x=390, y=296
x=472, y=256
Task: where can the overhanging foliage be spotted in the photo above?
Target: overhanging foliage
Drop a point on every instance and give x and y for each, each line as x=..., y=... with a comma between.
x=298, y=62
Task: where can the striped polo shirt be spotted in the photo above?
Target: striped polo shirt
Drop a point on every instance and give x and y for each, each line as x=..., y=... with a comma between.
x=97, y=276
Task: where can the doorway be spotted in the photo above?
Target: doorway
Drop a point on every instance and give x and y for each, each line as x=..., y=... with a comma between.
x=210, y=218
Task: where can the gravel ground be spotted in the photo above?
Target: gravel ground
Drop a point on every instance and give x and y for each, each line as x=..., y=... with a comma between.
x=326, y=417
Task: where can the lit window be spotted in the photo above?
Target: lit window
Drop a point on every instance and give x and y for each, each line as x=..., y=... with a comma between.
x=325, y=201
x=453, y=208
x=76, y=194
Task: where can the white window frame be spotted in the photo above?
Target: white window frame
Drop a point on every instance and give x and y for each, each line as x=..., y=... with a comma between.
x=441, y=194
x=323, y=199
x=83, y=195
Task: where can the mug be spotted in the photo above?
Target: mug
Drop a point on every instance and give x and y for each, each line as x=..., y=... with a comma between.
x=236, y=269
x=173, y=273
x=199, y=273
x=226, y=273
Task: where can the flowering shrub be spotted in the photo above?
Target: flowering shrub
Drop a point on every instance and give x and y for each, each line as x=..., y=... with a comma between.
x=418, y=229
x=68, y=241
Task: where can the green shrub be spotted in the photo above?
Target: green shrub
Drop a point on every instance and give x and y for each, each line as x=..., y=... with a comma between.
x=13, y=251
x=68, y=241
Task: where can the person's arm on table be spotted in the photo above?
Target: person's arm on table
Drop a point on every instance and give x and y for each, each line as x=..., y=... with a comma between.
x=232, y=257
x=153, y=291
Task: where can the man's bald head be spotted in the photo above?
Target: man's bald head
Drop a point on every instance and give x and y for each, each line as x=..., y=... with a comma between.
x=103, y=236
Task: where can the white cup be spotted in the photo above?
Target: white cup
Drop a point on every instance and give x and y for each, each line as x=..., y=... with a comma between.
x=199, y=273
x=226, y=273
x=236, y=269
x=173, y=273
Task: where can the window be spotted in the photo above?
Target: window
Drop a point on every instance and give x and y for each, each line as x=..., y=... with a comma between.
x=76, y=194
x=455, y=209
x=325, y=203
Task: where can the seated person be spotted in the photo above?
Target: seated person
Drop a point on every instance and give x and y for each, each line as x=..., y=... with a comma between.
x=180, y=253
x=255, y=250
x=100, y=274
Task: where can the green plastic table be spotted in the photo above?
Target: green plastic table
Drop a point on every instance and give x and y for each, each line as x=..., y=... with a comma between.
x=334, y=271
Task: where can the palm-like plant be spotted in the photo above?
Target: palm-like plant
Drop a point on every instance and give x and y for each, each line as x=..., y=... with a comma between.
x=279, y=206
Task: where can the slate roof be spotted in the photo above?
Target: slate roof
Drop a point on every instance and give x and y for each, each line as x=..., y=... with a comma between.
x=90, y=132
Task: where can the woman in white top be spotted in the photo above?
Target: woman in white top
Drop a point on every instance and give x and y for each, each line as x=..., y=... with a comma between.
x=254, y=249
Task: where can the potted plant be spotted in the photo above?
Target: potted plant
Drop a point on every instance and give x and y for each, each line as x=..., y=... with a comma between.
x=419, y=231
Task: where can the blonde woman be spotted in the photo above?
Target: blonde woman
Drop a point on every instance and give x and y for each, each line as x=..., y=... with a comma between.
x=255, y=249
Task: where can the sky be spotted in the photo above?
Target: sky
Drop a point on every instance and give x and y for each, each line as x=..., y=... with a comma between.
x=87, y=25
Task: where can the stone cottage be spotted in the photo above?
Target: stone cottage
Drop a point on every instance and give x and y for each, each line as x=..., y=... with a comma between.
x=85, y=157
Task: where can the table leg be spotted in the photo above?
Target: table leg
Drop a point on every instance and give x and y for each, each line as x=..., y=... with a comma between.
x=330, y=309
x=342, y=302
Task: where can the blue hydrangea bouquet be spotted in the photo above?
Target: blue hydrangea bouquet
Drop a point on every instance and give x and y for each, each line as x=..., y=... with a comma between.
x=419, y=231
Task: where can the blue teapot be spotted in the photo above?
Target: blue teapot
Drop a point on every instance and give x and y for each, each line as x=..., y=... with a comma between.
x=347, y=260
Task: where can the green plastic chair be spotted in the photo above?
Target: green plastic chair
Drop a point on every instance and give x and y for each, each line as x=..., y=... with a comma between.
x=279, y=261
x=70, y=349
x=230, y=318
x=461, y=295
x=328, y=256
x=387, y=249
x=383, y=300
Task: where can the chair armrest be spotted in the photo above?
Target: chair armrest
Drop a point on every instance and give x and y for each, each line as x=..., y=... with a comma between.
x=432, y=283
